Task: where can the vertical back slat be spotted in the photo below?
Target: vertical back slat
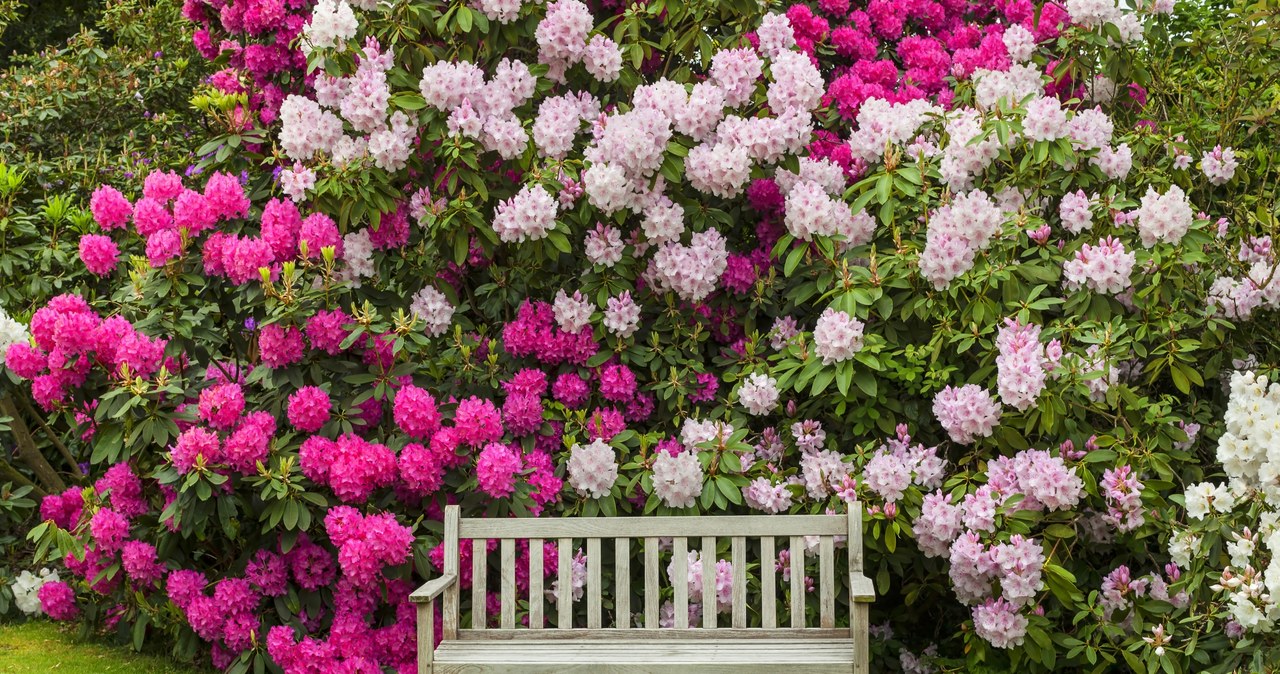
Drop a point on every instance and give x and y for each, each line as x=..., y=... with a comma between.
x=508, y=584
x=535, y=583
x=709, y=582
x=451, y=593
x=622, y=583
x=479, y=594
x=651, y=583
x=564, y=572
x=593, y=583
x=680, y=580
x=739, y=552
x=797, y=581
x=827, y=581
x=855, y=537
x=768, y=588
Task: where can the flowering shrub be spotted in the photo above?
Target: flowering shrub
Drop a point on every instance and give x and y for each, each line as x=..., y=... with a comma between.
x=918, y=255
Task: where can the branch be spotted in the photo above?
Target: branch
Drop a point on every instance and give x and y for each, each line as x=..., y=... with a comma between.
x=27, y=451
x=53, y=437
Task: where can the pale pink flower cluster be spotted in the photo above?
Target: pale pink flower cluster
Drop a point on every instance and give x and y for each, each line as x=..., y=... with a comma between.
x=938, y=525
x=966, y=413
x=528, y=216
x=1104, y=268
x=776, y=35
x=677, y=478
x=1044, y=480
x=811, y=212
x=1019, y=42
x=562, y=42
x=592, y=469
x=559, y=120
x=1000, y=624
x=723, y=581
x=478, y=109
x=307, y=127
x=957, y=231
x=332, y=24
x=796, y=83
x=502, y=11
x=823, y=472
x=1045, y=120
x=691, y=271
x=1074, y=210
x=1219, y=165
x=603, y=245
x=837, y=336
x=1164, y=217
x=1114, y=162
x=1020, y=364
x=433, y=309
x=763, y=495
x=1090, y=129
x=965, y=156
x=758, y=394
x=622, y=315
x=897, y=465
x=572, y=312
x=992, y=87
x=735, y=72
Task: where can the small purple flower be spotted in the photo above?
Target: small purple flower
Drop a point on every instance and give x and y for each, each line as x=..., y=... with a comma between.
x=250, y=324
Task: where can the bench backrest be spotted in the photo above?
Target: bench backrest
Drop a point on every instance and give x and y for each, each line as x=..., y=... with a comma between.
x=751, y=542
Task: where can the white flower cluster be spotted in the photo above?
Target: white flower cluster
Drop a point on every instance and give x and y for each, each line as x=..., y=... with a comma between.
x=1249, y=452
x=26, y=589
x=759, y=394
x=11, y=332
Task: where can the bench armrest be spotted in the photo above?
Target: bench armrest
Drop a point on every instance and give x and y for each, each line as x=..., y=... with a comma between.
x=861, y=589
x=432, y=589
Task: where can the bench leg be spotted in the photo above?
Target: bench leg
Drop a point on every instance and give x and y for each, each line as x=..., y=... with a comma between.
x=861, y=633
x=426, y=636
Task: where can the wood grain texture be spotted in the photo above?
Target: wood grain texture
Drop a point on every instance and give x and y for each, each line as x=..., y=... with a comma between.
x=564, y=584
x=479, y=581
x=508, y=574
x=593, y=583
x=535, y=583
x=622, y=583
x=708, y=582
x=651, y=583
x=797, y=581
x=680, y=580
x=768, y=586
x=452, y=594
x=738, y=552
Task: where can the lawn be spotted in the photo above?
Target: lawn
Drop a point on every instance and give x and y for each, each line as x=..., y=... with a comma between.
x=40, y=647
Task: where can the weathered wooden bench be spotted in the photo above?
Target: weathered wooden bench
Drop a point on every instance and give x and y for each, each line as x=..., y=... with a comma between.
x=603, y=638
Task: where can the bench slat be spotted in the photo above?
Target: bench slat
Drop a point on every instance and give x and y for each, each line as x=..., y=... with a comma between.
x=644, y=636
x=651, y=583
x=508, y=584
x=739, y=553
x=451, y=593
x=797, y=581
x=768, y=589
x=680, y=580
x=622, y=580
x=479, y=573
x=827, y=581
x=564, y=588
x=593, y=583
x=709, y=582
x=639, y=527
x=535, y=583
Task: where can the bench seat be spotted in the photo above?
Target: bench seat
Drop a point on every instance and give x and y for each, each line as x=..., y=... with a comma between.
x=644, y=655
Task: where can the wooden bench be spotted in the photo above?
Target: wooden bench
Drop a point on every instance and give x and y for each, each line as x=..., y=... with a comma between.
x=603, y=636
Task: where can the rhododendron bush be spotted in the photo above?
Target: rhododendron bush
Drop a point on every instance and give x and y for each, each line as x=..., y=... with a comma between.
x=566, y=259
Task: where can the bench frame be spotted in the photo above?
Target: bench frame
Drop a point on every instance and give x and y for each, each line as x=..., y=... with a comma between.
x=624, y=530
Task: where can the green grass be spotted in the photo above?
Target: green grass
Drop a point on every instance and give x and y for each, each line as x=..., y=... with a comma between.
x=42, y=647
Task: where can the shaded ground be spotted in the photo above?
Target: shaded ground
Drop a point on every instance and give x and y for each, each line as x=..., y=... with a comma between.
x=43, y=647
